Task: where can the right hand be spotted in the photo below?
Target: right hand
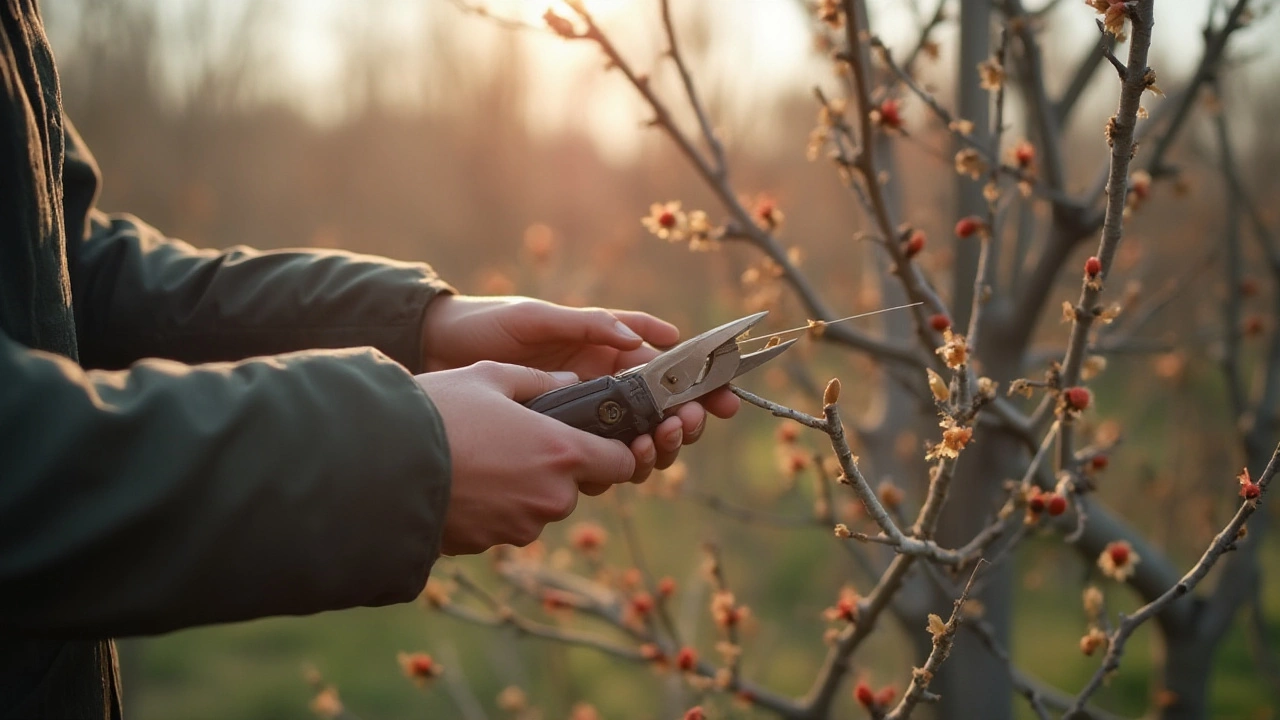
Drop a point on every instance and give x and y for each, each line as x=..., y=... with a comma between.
x=514, y=470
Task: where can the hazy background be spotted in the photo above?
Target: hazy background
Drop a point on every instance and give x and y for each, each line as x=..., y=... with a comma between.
x=409, y=129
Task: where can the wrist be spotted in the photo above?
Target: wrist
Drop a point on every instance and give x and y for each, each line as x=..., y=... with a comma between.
x=434, y=320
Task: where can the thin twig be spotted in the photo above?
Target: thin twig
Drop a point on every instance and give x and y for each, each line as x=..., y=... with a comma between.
x=943, y=639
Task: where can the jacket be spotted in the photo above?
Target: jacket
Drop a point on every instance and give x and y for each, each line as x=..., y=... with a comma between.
x=187, y=436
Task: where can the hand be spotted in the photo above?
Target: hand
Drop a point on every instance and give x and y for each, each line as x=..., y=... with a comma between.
x=515, y=470
x=460, y=330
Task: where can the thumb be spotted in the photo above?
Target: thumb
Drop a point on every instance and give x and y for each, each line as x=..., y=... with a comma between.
x=524, y=383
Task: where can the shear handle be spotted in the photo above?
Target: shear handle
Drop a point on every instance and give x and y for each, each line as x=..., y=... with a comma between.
x=618, y=407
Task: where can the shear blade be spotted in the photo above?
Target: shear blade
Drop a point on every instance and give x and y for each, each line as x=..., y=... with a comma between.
x=751, y=361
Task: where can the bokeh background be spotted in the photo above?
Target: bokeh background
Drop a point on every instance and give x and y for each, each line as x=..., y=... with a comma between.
x=515, y=164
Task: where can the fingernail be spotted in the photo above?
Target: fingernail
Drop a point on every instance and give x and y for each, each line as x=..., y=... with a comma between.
x=625, y=331
x=564, y=378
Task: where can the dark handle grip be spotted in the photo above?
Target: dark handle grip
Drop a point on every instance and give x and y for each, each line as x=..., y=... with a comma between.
x=611, y=407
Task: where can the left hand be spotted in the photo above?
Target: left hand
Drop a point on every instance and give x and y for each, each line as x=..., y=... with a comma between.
x=459, y=330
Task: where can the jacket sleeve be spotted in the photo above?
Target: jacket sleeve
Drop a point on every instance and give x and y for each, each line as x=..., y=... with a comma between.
x=139, y=294
x=166, y=496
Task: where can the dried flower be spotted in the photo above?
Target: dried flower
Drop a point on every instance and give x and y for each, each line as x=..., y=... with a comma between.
x=1118, y=560
x=1093, y=367
x=888, y=114
x=512, y=699
x=1092, y=641
x=419, y=667
x=843, y=532
x=954, y=350
x=954, y=439
x=1092, y=602
x=991, y=74
x=326, y=703
x=969, y=162
x=787, y=432
x=891, y=495
x=767, y=214
x=829, y=13
x=846, y=607
x=725, y=610
x=1024, y=154
x=1113, y=15
x=588, y=538
x=1249, y=490
x=666, y=220
x=937, y=628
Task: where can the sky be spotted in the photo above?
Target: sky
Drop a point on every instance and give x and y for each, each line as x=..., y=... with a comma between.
x=756, y=49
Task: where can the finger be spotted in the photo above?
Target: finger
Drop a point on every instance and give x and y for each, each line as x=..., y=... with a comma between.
x=549, y=322
x=721, y=402
x=602, y=461
x=667, y=438
x=522, y=383
x=645, y=454
x=693, y=419
x=593, y=489
x=655, y=331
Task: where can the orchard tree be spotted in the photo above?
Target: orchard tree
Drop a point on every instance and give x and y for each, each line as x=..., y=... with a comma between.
x=965, y=367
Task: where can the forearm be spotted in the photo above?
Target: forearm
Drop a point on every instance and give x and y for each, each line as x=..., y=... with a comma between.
x=138, y=294
x=168, y=496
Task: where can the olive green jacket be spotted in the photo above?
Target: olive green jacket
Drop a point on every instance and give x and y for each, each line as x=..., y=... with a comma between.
x=174, y=450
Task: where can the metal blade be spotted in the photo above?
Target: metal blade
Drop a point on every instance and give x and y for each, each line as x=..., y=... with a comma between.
x=754, y=360
x=698, y=365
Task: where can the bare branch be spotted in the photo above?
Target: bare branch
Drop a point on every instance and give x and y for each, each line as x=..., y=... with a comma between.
x=943, y=639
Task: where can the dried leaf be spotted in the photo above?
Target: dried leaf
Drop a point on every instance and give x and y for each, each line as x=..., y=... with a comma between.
x=937, y=628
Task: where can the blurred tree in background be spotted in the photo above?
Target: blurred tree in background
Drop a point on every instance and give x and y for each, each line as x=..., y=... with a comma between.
x=437, y=146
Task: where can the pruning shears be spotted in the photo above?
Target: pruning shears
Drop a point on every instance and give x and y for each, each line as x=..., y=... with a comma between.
x=633, y=402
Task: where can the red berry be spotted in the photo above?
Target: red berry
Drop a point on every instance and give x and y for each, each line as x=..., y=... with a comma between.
x=687, y=659
x=1252, y=326
x=1119, y=552
x=667, y=219
x=863, y=693
x=939, y=322
x=695, y=713
x=1057, y=504
x=1078, y=398
x=967, y=226
x=1099, y=462
x=1092, y=266
x=914, y=244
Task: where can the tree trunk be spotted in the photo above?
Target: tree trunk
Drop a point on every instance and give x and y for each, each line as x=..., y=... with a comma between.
x=1186, y=679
